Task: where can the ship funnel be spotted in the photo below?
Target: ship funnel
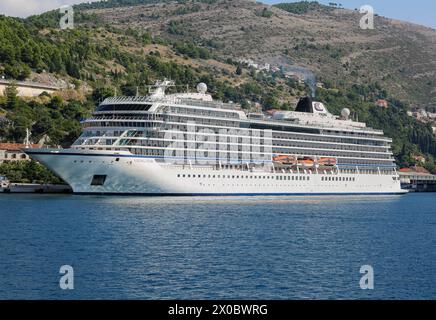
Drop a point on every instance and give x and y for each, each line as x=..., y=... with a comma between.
x=305, y=105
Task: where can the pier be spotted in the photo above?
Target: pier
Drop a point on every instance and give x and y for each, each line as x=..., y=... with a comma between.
x=418, y=182
x=9, y=187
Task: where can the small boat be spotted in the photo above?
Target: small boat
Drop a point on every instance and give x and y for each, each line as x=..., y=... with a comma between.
x=306, y=161
x=4, y=184
x=329, y=162
x=285, y=159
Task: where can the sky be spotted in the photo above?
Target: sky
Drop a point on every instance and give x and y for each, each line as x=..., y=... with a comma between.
x=417, y=11
x=25, y=8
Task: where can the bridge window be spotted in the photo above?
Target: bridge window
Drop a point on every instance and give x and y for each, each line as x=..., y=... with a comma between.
x=124, y=107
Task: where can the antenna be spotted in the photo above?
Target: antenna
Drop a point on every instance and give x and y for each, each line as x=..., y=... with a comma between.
x=27, y=139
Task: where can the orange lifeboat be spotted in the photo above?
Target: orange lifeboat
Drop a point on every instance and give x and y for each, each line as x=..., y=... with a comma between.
x=330, y=162
x=306, y=161
x=285, y=159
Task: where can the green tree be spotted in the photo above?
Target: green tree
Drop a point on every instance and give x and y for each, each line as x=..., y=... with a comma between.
x=101, y=93
x=239, y=70
x=11, y=94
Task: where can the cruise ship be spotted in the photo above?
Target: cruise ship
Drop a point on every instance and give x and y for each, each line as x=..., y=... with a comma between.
x=189, y=144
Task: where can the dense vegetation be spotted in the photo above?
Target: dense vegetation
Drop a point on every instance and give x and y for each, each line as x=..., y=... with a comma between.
x=51, y=116
x=28, y=172
x=264, y=13
x=410, y=137
x=122, y=3
x=299, y=7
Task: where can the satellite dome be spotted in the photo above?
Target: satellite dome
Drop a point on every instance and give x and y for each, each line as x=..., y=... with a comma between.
x=202, y=88
x=345, y=113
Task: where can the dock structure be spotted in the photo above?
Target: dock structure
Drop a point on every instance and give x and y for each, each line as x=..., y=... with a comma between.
x=418, y=182
x=8, y=187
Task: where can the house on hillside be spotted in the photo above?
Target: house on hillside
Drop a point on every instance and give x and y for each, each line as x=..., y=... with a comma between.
x=421, y=115
x=11, y=152
x=419, y=159
x=382, y=103
x=415, y=169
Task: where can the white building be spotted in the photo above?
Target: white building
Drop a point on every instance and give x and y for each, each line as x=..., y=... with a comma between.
x=11, y=152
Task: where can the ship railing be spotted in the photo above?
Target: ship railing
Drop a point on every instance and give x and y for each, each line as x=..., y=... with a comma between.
x=207, y=104
x=126, y=99
x=294, y=170
x=323, y=126
x=118, y=118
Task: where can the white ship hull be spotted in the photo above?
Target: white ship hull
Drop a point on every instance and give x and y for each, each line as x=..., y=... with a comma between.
x=129, y=174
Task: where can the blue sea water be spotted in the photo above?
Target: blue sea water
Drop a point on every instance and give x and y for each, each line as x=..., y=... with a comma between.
x=218, y=248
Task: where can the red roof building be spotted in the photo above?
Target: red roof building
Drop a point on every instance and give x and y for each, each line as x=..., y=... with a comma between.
x=416, y=169
x=13, y=152
x=16, y=146
x=382, y=103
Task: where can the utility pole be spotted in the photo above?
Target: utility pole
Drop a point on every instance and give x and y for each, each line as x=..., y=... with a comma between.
x=27, y=139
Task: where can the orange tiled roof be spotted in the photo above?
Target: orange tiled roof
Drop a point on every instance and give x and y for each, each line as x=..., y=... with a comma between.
x=16, y=146
x=421, y=169
x=382, y=103
x=414, y=169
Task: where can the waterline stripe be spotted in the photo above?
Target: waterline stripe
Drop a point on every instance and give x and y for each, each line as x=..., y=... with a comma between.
x=238, y=194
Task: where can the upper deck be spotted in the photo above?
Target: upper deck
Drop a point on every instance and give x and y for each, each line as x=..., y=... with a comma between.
x=308, y=114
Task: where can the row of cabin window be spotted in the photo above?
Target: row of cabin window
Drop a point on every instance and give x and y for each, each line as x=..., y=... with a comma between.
x=291, y=178
x=368, y=143
x=337, y=179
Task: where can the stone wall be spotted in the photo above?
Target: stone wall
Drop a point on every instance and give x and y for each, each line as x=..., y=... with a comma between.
x=27, y=90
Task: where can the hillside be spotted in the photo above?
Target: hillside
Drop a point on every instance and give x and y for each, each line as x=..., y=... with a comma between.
x=327, y=41
x=121, y=46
